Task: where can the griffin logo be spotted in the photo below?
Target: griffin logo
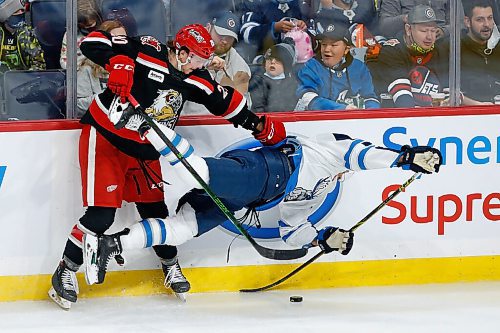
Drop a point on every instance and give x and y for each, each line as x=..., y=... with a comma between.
x=166, y=105
x=2, y=174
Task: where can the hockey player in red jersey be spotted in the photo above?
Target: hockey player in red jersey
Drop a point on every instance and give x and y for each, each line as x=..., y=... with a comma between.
x=119, y=165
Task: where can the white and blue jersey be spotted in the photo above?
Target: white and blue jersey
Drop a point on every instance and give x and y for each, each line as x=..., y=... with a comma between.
x=299, y=174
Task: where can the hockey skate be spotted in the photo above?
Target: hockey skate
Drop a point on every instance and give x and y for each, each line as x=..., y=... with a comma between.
x=64, y=288
x=97, y=252
x=175, y=280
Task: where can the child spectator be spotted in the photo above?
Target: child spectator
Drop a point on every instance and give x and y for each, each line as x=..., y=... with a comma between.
x=274, y=89
x=334, y=80
x=349, y=12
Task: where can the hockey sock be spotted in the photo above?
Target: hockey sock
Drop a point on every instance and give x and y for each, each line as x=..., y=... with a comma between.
x=170, y=231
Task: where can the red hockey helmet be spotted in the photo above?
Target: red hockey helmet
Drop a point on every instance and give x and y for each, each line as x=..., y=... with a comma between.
x=196, y=39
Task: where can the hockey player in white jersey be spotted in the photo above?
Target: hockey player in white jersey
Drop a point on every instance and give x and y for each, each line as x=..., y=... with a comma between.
x=298, y=172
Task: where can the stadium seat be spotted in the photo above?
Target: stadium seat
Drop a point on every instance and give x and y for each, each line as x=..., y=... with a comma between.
x=31, y=95
x=148, y=14
x=48, y=17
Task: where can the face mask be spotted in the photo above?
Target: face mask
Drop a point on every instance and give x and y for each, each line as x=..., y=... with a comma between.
x=86, y=31
x=15, y=21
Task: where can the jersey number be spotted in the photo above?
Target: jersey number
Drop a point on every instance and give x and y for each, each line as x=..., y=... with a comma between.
x=223, y=91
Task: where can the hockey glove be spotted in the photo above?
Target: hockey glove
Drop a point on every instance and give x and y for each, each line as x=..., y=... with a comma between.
x=123, y=115
x=334, y=239
x=121, y=76
x=272, y=133
x=421, y=158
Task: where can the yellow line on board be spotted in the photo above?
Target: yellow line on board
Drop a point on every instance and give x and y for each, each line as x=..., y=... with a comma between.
x=233, y=278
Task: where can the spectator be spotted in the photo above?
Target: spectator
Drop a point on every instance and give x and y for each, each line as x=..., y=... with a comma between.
x=480, y=76
x=224, y=29
x=394, y=15
x=349, y=12
x=9, y=7
x=334, y=80
x=184, y=12
x=92, y=78
x=265, y=21
x=274, y=90
x=412, y=68
x=126, y=19
x=20, y=49
x=89, y=19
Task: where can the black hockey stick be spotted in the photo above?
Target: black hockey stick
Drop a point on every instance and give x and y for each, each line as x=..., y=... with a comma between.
x=275, y=254
x=354, y=227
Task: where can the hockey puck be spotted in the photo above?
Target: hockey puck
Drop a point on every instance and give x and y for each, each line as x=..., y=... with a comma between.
x=295, y=299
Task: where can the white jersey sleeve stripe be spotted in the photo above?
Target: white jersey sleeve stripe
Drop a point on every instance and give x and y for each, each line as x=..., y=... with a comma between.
x=97, y=39
x=347, y=156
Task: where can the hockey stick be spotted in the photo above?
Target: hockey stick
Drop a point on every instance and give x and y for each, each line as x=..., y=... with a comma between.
x=275, y=254
x=353, y=228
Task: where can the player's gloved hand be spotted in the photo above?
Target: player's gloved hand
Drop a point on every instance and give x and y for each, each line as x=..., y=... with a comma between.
x=421, y=158
x=123, y=115
x=121, y=76
x=272, y=132
x=334, y=239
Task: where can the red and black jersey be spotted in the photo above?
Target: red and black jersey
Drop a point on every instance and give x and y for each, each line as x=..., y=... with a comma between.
x=410, y=79
x=155, y=77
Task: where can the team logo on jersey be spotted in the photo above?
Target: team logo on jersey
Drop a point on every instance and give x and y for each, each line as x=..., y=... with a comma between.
x=151, y=41
x=166, y=106
x=196, y=35
x=391, y=42
x=301, y=194
x=111, y=188
x=2, y=174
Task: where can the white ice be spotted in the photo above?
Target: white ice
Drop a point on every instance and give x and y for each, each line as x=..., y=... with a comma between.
x=470, y=307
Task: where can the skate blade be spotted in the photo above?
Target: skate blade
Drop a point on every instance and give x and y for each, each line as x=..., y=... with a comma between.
x=181, y=296
x=91, y=269
x=63, y=303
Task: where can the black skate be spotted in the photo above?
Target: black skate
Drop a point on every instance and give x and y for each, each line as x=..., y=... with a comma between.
x=64, y=288
x=97, y=252
x=175, y=280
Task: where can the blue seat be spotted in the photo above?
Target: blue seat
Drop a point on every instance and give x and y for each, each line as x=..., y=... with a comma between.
x=48, y=17
x=31, y=95
x=149, y=15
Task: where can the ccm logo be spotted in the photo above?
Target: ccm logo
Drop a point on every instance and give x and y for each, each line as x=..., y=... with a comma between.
x=2, y=173
x=125, y=67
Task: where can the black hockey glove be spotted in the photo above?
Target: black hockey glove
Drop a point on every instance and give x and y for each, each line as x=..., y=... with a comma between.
x=334, y=239
x=421, y=158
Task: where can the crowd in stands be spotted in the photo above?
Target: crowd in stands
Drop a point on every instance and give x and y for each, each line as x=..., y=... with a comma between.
x=293, y=55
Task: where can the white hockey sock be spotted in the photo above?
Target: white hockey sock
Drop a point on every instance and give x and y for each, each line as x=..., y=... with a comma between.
x=180, y=181
x=178, y=141
x=170, y=231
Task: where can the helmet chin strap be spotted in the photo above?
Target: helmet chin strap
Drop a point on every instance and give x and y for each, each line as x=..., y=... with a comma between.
x=181, y=63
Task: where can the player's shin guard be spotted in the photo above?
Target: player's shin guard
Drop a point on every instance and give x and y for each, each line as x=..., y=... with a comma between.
x=170, y=231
